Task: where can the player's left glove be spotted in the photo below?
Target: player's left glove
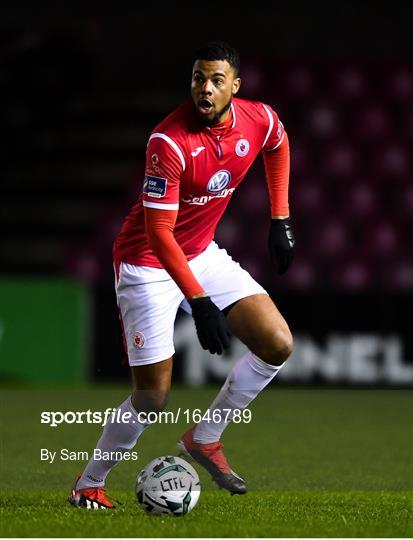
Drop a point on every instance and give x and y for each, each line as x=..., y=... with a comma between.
x=281, y=244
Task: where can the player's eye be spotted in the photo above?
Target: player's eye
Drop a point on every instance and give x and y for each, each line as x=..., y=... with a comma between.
x=218, y=82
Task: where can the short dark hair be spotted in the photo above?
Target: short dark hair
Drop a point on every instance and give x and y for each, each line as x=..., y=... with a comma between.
x=218, y=50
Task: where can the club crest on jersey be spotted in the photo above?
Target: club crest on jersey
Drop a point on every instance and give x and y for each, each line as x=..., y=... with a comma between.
x=154, y=186
x=138, y=340
x=219, y=181
x=242, y=148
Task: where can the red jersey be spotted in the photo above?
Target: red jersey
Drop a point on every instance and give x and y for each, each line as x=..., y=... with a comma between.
x=194, y=169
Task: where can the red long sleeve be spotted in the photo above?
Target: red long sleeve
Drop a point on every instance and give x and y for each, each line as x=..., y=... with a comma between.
x=159, y=226
x=277, y=174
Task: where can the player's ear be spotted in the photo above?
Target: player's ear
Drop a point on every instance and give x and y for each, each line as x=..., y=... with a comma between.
x=235, y=85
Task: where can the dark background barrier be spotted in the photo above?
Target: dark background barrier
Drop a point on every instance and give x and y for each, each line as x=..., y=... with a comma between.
x=340, y=338
x=82, y=87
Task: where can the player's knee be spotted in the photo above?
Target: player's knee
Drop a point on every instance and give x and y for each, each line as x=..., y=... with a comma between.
x=149, y=401
x=278, y=348
x=284, y=344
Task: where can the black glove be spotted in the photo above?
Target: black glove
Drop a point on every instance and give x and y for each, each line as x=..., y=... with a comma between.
x=211, y=325
x=281, y=244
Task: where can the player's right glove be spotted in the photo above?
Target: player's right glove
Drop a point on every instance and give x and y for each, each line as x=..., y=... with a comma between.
x=211, y=325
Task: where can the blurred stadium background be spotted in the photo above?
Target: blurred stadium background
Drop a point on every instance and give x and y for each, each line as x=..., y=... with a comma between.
x=81, y=90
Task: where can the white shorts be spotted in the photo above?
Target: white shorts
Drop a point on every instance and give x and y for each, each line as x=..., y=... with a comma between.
x=149, y=299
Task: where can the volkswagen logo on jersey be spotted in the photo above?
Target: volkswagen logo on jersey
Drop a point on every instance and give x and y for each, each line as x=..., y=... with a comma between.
x=219, y=181
x=242, y=148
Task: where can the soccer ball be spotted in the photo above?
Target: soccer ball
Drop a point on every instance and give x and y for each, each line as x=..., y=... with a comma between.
x=168, y=485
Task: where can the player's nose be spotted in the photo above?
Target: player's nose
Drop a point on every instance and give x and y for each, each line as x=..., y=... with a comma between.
x=207, y=87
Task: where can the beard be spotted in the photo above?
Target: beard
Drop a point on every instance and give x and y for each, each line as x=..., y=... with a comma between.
x=217, y=116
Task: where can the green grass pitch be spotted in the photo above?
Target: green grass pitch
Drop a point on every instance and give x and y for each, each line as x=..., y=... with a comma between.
x=319, y=463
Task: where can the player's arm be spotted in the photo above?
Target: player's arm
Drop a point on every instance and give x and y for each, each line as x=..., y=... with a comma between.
x=159, y=226
x=276, y=154
x=210, y=322
x=160, y=219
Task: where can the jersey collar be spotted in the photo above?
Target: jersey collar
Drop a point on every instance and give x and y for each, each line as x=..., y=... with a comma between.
x=233, y=115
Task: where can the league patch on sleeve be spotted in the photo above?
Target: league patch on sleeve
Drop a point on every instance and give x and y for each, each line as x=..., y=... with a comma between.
x=280, y=128
x=154, y=186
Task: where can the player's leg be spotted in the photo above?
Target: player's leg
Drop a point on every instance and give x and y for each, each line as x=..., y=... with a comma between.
x=258, y=324
x=149, y=344
x=150, y=386
x=256, y=321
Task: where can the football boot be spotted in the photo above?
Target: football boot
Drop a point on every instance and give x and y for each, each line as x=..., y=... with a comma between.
x=91, y=498
x=212, y=458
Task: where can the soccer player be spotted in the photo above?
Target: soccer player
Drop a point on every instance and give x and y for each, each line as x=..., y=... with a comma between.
x=165, y=257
